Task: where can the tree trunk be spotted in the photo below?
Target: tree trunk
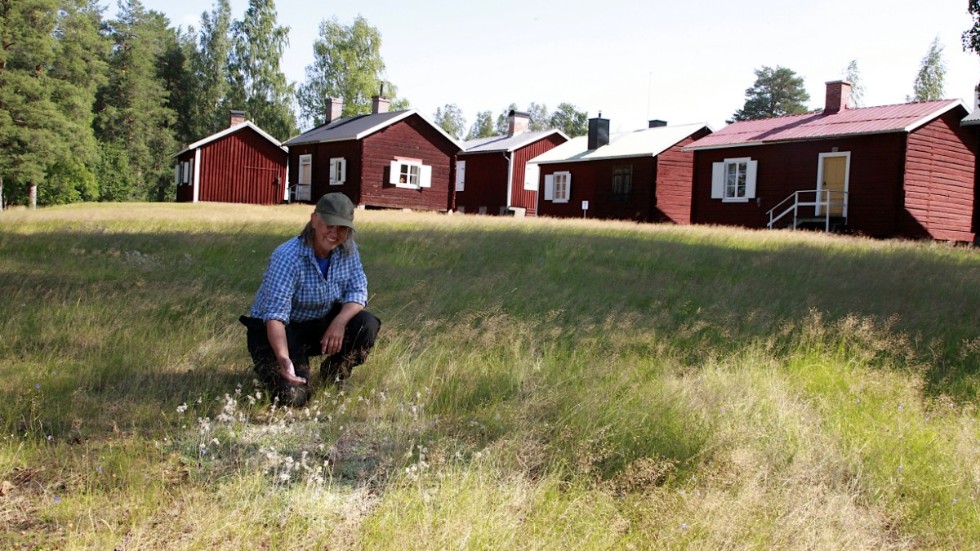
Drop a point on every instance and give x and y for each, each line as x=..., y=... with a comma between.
x=33, y=196
x=1, y=193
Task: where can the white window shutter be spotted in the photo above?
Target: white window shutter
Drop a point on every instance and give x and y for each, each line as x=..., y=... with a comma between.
x=425, y=176
x=177, y=175
x=343, y=171
x=717, y=180
x=393, y=176
x=531, y=174
x=460, y=175
x=568, y=186
x=333, y=172
x=750, y=179
x=549, y=187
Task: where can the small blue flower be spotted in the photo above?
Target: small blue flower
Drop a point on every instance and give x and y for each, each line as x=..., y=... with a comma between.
x=57, y=499
x=100, y=469
x=49, y=438
x=38, y=386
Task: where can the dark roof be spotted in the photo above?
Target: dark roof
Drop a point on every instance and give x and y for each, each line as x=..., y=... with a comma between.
x=359, y=127
x=508, y=143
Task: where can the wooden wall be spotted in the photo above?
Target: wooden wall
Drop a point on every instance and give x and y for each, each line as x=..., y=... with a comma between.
x=525, y=198
x=412, y=138
x=939, y=181
x=486, y=182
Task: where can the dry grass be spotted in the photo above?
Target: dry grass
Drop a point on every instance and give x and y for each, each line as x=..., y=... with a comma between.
x=539, y=384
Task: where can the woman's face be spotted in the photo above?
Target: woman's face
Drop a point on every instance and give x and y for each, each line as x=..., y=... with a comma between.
x=326, y=237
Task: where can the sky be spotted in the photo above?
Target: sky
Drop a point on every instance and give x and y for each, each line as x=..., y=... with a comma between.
x=629, y=60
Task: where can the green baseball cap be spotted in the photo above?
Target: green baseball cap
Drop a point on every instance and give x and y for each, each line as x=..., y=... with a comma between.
x=336, y=209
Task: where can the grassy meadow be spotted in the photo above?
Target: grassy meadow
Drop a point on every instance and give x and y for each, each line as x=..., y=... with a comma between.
x=537, y=384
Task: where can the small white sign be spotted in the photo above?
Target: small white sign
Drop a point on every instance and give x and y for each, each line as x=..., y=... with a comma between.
x=585, y=205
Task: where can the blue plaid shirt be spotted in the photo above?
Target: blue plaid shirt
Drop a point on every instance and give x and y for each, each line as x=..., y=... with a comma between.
x=294, y=290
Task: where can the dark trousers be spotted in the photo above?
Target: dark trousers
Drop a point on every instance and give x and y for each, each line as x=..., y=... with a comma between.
x=303, y=339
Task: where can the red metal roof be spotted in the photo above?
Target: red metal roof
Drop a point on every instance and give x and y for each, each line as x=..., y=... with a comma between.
x=866, y=120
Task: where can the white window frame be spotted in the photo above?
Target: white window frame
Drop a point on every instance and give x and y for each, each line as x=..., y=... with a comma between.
x=338, y=171
x=416, y=174
x=185, y=176
x=460, y=175
x=562, y=186
x=722, y=186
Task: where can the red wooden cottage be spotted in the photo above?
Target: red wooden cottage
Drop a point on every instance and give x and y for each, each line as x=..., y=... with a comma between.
x=644, y=175
x=241, y=164
x=898, y=170
x=490, y=172
x=386, y=159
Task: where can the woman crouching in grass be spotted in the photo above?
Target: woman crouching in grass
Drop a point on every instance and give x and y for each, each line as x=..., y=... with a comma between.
x=311, y=303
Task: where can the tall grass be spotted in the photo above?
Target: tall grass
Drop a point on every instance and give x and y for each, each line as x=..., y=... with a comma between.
x=538, y=384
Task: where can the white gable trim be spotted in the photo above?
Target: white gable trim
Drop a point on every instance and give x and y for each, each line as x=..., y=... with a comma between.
x=231, y=130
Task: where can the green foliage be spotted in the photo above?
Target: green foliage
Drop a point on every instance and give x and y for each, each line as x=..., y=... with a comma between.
x=348, y=66
x=115, y=176
x=540, y=120
x=68, y=181
x=258, y=83
x=929, y=83
x=49, y=67
x=503, y=120
x=483, y=127
x=450, y=118
x=133, y=107
x=209, y=66
x=570, y=120
x=776, y=92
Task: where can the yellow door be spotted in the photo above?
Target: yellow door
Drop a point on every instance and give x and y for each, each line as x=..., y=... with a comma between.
x=834, y=180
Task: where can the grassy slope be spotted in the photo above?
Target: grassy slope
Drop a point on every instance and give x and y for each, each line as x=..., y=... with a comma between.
x=538, y=384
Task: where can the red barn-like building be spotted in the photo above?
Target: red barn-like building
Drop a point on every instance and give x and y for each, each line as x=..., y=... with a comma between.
x=903, y=170
x=241, y=164
x=644, y=175
x=490, y=172
x=386, y=159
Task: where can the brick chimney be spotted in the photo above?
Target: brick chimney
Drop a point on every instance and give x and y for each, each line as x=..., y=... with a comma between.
x=237, y=117
x=335, y=107
x=517, y=122
x=379, y=104
x=598, y=132
x=838, y=96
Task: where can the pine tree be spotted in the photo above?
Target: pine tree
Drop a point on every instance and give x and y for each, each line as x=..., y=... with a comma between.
x=133, y=113
x=775, y=93
x=49, y=67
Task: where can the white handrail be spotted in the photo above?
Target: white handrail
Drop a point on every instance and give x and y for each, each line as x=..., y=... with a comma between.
x=822, y=200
